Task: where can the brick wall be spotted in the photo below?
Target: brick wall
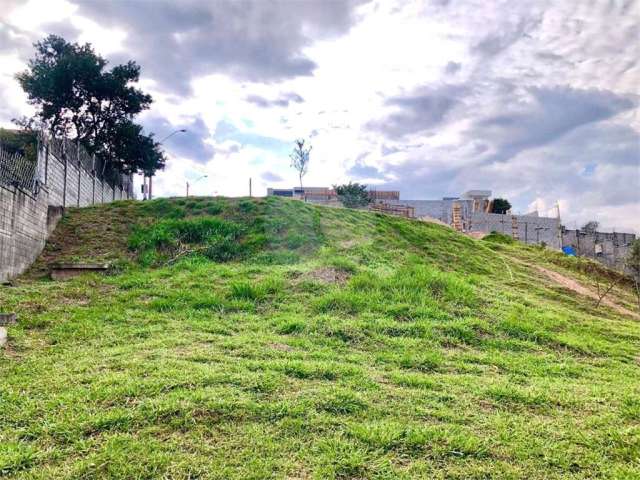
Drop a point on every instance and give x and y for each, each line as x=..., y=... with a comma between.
x=27, y=217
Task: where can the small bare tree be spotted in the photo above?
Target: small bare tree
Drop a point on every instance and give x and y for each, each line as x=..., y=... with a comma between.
x=300, y=158
x=633, y=264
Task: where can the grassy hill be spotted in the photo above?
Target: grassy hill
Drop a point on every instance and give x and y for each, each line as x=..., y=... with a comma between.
x=266, y=338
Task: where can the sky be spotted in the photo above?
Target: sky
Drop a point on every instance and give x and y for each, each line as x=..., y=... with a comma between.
x=537, y=101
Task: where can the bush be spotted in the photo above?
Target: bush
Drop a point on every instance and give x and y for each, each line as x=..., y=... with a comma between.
x=213, y=238
x=352, y=195
x=495, y=237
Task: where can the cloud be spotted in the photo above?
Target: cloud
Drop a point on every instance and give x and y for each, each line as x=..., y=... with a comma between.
x=534, y=100
x=544, y=115
x=495, y=42
x=282, y=101
x=271, y=177
x=452, y=68
x=192, y=144
x=361, y=171
x=249, y=40
x=420, y=110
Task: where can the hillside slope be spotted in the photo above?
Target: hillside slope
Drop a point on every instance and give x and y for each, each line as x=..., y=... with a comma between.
x=268, y=338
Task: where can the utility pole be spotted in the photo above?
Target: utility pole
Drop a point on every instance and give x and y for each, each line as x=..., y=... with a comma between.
x=250, y=187
x=197, y=179
x=559, y=224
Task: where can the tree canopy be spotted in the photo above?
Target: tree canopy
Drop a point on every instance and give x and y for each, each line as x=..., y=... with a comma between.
x=78, y=97
x=352, y=195
x=500, y=205
x=591, y=226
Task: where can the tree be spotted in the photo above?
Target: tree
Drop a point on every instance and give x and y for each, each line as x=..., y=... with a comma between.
x=77, y=97
x=353, y=195
x=133, y=151
x=23, y=142
x=500, y=205
x=590, y=227
x=300, y=158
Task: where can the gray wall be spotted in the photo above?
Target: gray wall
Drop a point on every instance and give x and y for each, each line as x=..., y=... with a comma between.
x=27, y=217
x=613, y=247
x=526, y=228
x=438, y=209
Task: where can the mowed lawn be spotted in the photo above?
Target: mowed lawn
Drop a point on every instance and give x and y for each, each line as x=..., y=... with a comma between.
x=254, y=339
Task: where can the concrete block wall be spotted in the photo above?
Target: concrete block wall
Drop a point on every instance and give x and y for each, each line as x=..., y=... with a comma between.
x=24, y=232
x=527, y=228
x=439, y=209
x=610, y=249
x=27, y=218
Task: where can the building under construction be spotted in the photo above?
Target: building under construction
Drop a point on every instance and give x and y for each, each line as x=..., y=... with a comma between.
x=471, y=213
x=327, y=196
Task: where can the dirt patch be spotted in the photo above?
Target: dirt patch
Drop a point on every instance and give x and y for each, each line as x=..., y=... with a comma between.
x=428, y=219
x=573, y=285
x=329, y=275
x=477, y=235
x=281, y=346
x=346, y=244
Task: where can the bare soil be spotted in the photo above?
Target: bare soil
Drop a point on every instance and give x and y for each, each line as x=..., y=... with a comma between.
x=329, y=275
x=580, y=289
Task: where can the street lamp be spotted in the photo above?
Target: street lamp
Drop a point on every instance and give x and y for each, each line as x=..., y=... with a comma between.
x=197, y=179
x=182, y=130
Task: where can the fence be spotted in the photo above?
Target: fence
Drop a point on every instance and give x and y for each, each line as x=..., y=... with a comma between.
x=67, y=150
x=18, y=171
x=399, y=210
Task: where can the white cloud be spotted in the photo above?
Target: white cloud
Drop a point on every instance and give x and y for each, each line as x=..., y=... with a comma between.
x=522, y=78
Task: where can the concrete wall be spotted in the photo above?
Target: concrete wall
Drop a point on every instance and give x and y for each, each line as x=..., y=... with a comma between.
x=525, y=228
x=26, y=221
x=439, y=209
x=28, y=217
x=610, y=249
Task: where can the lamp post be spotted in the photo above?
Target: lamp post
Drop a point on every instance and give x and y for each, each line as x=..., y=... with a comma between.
x=182, y=130
x=197, y=179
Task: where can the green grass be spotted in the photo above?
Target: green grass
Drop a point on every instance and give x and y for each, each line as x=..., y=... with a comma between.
x=427, y=355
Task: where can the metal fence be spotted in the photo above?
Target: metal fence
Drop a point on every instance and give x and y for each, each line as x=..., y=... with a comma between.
x=63, y=148
x=18, y=171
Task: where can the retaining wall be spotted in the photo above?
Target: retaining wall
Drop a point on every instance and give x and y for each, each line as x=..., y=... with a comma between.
x=28, y=217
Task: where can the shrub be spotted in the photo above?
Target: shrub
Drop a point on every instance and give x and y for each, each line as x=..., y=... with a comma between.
x=496, y=237
x=213, y=238
x=353, y=195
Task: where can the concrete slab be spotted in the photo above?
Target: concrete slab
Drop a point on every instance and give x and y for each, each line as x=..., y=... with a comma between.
x=7, y=319
x=66, y=271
